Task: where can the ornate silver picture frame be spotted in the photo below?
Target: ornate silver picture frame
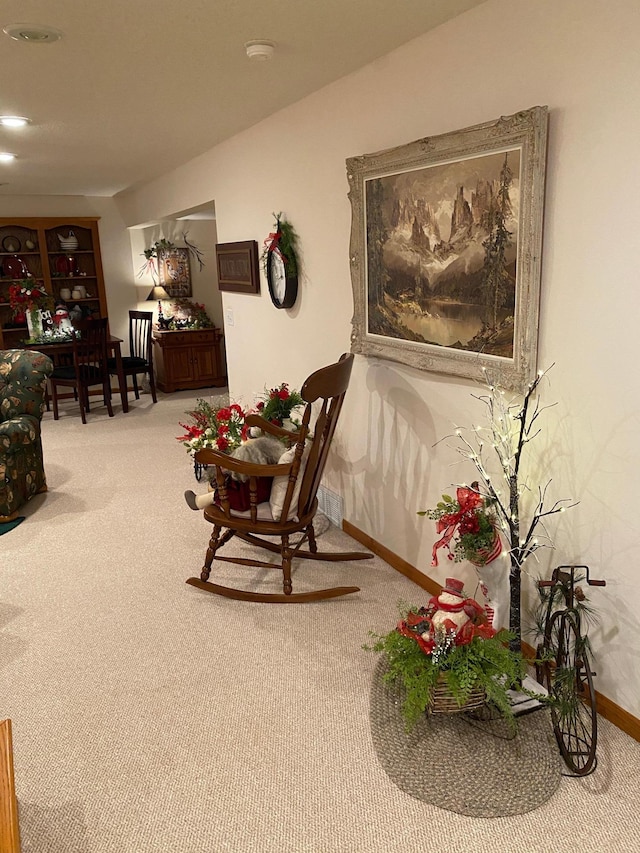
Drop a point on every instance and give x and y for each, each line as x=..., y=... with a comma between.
x=446, y=237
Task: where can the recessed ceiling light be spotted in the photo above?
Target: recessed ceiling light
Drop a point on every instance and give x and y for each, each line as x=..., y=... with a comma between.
x=14, y=121
x=32, y=33
x=5, y=157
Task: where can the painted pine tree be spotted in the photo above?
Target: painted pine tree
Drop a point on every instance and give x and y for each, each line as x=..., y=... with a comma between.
x=495, y=275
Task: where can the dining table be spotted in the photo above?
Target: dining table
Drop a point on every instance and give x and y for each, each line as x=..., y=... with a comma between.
x=57, y=348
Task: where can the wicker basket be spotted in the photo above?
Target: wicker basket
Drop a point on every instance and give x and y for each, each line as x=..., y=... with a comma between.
x=443, y=702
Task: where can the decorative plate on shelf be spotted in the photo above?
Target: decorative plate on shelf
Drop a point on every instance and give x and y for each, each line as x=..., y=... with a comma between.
x=11, y=244
x=15, y=267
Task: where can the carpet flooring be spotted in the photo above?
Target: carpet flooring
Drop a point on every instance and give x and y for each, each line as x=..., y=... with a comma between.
x=152, y=716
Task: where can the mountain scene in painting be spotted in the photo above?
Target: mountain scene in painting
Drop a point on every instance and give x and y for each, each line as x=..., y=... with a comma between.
x=442, y=245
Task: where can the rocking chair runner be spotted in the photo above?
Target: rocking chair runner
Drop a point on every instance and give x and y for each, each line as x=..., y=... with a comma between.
x=296, y=481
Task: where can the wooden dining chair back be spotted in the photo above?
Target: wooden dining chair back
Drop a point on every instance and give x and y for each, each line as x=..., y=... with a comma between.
x=293, y=501
x=89, y=367
x=140, y=358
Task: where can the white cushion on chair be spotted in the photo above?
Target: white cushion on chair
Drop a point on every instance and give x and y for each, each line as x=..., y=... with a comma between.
x=264, y=512
x=280, y=484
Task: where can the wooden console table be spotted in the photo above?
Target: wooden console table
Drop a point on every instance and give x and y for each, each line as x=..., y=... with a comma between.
x=188, y=358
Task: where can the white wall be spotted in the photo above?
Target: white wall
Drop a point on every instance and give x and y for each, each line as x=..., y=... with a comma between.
x=503, y=56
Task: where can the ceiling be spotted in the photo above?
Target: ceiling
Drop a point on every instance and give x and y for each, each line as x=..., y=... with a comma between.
x=135, y=88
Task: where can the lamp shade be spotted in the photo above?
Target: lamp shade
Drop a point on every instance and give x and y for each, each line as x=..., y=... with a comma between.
x=157, y=292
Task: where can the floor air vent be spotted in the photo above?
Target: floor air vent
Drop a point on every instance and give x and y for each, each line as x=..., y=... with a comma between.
x=331, y=505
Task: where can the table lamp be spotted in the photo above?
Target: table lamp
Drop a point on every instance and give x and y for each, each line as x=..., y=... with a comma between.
x=158, y=292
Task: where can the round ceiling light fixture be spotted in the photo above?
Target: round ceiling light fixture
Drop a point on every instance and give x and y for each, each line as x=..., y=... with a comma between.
x=5, y=157
x=259, y=49
x=14, y=121
x=32, y=33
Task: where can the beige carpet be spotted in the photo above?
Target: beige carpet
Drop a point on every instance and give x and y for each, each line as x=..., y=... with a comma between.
x=151, y=716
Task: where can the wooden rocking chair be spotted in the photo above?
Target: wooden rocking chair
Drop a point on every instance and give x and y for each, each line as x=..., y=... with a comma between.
x=293, y=502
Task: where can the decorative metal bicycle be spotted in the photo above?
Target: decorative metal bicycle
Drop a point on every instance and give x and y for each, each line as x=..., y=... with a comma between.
x=563, y=666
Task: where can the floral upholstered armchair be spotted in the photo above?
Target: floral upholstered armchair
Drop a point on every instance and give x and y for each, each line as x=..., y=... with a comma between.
x=23, y=377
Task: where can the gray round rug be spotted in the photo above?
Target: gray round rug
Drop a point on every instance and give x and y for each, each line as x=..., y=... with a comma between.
x=465, y=764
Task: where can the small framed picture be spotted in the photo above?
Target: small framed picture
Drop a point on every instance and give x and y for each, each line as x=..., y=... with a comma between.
x=238, y=269
x=174, y=273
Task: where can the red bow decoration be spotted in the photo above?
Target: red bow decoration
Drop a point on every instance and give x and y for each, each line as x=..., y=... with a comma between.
x=411, y=627
x=273, y=241
x=470, y=630
x=419, y=627
x=469, y=500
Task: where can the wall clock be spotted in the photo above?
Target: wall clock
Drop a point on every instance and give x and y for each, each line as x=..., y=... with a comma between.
x=283, y=289
x=282, y=265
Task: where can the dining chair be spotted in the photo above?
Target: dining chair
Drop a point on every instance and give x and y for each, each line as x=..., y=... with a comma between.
x=89, y=366
x=140, y=358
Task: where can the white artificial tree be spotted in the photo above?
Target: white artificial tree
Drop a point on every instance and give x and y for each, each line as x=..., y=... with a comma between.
x=512, y=423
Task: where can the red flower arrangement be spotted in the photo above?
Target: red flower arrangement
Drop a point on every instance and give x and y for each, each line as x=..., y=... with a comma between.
x=221, y=428
x=279, y=404
x=25, y=296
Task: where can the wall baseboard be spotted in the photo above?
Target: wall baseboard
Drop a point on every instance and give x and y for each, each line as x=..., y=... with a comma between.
x=9, y=827
x=607, y=708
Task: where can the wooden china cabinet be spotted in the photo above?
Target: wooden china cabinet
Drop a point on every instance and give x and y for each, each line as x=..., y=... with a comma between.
x=188, y=358
x=59, y=253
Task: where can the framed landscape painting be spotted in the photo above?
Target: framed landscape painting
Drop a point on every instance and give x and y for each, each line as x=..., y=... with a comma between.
x=446, y=236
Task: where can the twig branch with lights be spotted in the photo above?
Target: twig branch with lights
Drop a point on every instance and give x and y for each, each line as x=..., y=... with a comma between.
x=511, y=425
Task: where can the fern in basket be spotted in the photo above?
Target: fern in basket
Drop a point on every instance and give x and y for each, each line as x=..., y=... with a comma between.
x=485, y=663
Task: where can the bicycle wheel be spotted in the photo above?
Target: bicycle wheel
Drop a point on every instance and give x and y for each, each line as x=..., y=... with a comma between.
x=570, y=684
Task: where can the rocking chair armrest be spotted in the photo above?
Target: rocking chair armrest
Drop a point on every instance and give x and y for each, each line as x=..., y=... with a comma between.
x=207, y=456
x=266, y=426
